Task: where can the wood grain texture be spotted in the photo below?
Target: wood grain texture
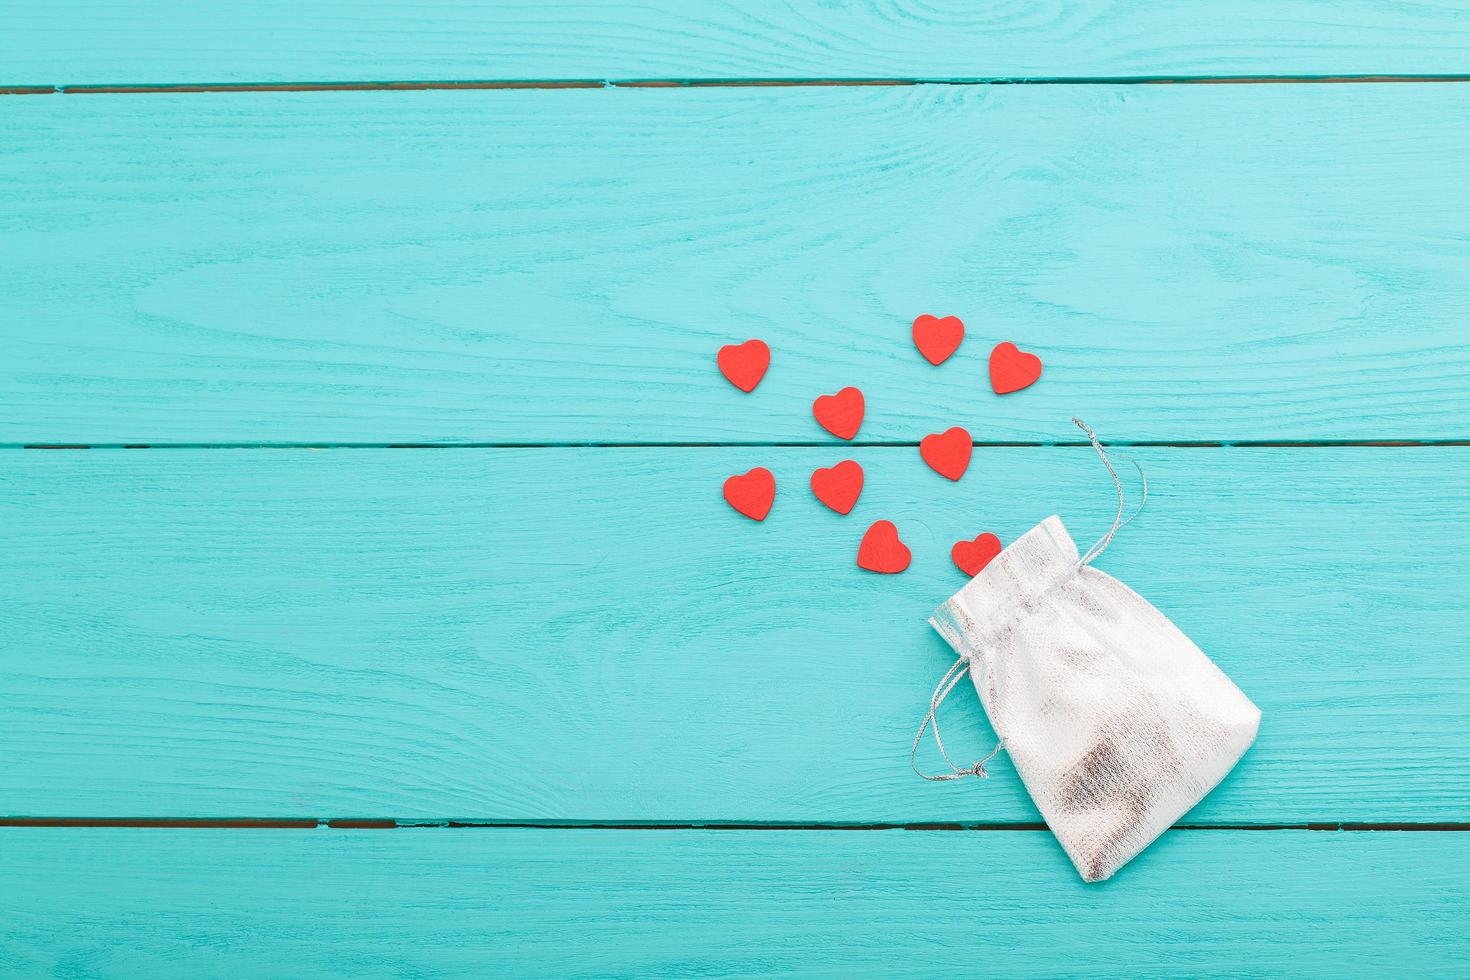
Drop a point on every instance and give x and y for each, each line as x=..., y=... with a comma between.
x=592, y=634
x=720, y=903
x=163, y=41
x=562, y=266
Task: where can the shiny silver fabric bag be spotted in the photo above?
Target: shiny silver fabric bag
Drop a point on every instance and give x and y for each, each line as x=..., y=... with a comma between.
x=1116, y=722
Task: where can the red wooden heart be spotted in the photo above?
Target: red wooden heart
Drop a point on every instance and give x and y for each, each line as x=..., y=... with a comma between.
x=882, y=551
x=838, y=486
x=752, y=493
x=1012, y=369
x=948, y=452
x=937, y=338
x=971, y=556
x=840, y=414
x=743, y=365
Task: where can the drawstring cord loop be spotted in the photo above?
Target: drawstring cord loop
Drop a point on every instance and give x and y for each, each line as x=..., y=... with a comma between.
x=947, y=683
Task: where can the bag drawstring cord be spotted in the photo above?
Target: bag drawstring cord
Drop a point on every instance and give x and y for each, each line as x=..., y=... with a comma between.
x=946, y=684
x=1118, y=523
x=961, y=667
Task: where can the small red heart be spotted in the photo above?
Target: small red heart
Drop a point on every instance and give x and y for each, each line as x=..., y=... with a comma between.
x=971, y=556
x=938, y=338
x=948, y=453
x=838, y=486
x=752, y=493
x=743, y=365
x=1012, y=369
x=840, y=414
x=882, y=551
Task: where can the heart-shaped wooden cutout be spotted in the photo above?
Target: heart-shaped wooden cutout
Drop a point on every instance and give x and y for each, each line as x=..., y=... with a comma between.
x=948, y=452
x=971, y=556
x=1012, y=369
x=882, y=551
x=839, y=486
x=752, y=493
x=840, y=414
x=743, y=365
x=938, y=337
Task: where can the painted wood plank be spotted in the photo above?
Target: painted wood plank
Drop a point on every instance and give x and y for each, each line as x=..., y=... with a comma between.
x=168, y=903
x=151, y=42
x=591, y=634
x=563, y=266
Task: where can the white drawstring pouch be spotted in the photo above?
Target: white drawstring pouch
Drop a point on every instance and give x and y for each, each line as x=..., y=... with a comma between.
x=1116, y=722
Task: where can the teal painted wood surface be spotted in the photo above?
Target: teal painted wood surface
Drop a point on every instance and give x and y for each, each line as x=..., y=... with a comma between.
x=152, y=42
x=559, y=635
x=591, y=634
x=717, y=903
x=1197, y=263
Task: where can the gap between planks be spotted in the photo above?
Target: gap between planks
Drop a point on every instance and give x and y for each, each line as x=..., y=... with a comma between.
x=797, y=444
x=416, y=85
x=353, y=823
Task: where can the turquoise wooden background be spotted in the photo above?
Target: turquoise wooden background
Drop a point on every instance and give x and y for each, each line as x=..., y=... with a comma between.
x=367, y=604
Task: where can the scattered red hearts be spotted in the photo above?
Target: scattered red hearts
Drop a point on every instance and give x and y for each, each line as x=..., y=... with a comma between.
x=839, y=486
x=971, y=556
x=1012, y=369
x=882, y=551
x=948, y=453
x=937, y=337
x=743, y=365
x=752, y=493
x=840, y=414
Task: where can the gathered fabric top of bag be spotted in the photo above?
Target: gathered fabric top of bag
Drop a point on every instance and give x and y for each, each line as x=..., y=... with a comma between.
x=1010, y=588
